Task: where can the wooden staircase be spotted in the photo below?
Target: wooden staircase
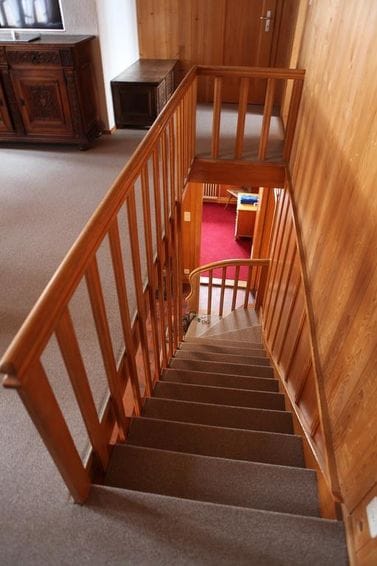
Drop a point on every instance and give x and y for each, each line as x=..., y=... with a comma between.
x=216, y=442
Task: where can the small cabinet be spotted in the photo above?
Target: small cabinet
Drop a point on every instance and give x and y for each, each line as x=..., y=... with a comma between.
x=43, y=101
x=142, y=90
x=5, y=120
x=48, y=91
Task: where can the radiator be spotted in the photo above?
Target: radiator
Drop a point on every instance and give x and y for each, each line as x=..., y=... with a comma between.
x=211, y=190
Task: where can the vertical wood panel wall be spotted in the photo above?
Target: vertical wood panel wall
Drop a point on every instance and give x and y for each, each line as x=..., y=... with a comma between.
x=334, y=174
x=214, y=32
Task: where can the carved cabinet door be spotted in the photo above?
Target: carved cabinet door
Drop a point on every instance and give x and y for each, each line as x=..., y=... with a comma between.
x=5, y=121
x=43, y=101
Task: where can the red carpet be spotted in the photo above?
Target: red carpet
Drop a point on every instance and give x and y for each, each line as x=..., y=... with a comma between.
x=218, y=238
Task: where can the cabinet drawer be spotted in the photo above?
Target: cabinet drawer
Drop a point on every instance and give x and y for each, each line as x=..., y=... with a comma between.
x=33, y=57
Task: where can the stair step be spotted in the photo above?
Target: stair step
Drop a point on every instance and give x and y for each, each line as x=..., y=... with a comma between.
x=250, y=445
x=215, y=348
x=154, y=529
x=238, y=319
x=222, y=367
x=252, y=334
x=220, y=395
x=233, y=482
x=220, y=342
x=216, y=357
x=218, y=415
x=220, y=380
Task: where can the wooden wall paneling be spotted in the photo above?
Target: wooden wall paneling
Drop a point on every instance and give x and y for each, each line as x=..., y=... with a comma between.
x=334, y=172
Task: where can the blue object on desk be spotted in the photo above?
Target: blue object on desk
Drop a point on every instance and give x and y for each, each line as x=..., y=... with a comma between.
x=249, y=199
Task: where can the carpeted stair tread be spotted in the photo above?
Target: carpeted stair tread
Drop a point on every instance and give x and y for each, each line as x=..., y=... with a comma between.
x=237, y=444
x=233, y=482
x=220, y=342
x=220, y=395
x=148, y=529
x=238, y=319
x=215, y=348
x=218, y=415
x=222, y=367
x=220, y=357
x=245, y=335
x=220, y=380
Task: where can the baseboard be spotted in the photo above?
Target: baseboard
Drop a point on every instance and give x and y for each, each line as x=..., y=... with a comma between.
x=109, y=132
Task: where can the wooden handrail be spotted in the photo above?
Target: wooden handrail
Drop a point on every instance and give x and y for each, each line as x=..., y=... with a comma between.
x=192, y=297
x=250, y=72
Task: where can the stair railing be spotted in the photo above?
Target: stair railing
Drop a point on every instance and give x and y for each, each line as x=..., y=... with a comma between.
x=141, y=214
x=257, y=270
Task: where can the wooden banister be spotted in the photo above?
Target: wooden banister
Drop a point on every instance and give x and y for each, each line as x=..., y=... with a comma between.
x=192, y=298
x=159, y=170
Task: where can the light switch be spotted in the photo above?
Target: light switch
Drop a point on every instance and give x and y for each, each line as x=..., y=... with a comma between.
x=186, y=271
x=372, y=517
x=187, y=216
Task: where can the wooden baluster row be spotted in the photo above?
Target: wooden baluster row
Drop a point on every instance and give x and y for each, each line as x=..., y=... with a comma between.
x=242, y=109
x=103, y=332
x=165, y=188
x=222, y=292
x=216, y=117
x=120, y=282
x=210, y=284
x=235, y=287
x=41, y=404
x=135, y=253
x=268, y=105
x=152, y=288
x=160, y=252
x=292, y=117
x=69, y=347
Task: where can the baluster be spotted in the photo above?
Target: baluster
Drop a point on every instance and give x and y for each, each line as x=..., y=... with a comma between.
x=176, y=252
x=292, y=117
x=242, y=109
x=41, y=404
x=216, y=117
x=235, y=287
x=262, y=287
x=120, y=282
x=268, y=104
x=150, y=267
x=69, y=347
x=194, y=109
x=135, y=252
x=248, y=286
x=222, y=293
x=103, y=332
x=157, y=204
x=167, y=234
x=209, y=302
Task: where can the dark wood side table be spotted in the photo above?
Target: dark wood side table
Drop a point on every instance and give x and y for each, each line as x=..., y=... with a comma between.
x=142, y=90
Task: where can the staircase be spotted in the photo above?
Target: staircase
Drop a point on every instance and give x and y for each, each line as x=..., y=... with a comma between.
x=217, y=466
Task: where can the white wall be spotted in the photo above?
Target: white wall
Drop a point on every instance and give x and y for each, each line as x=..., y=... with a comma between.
x=80, y=16
x=117, y=25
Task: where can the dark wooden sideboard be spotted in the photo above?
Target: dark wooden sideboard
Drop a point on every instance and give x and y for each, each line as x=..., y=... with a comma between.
x=47, y=91
x=142, y=90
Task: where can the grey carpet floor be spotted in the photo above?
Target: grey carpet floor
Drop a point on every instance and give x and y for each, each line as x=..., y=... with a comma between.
x=47, y=194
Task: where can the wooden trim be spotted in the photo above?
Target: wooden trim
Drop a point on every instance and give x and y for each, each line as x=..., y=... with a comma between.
x=319, y=381
x=250, y=72
x=223, y=172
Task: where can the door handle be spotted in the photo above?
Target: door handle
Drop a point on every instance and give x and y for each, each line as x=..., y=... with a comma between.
x=267, y=20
